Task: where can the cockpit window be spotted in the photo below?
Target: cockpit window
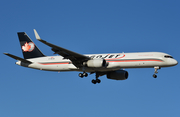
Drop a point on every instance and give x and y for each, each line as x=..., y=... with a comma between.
x=168, y=56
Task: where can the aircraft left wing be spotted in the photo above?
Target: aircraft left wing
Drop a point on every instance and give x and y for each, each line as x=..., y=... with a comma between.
x=76, y=58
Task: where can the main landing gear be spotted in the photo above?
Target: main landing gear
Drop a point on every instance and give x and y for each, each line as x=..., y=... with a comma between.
x=156, y=71
x=84, y=74
x=94, y=81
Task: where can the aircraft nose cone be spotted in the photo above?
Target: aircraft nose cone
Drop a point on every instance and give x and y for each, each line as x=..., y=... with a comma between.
x=175, y=62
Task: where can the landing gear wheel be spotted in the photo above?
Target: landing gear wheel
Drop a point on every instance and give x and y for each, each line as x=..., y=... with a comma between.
x=98, y=81
x=93, y=81
x=154, y=75
x=81, y=75
x=85, y=74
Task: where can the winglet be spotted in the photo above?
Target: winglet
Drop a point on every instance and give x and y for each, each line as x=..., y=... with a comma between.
x=36, y=35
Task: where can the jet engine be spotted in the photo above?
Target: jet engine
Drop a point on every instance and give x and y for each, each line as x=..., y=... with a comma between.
x=96, y=63
x=117, y=75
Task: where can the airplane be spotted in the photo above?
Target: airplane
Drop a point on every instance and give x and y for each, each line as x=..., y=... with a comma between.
x=111, y=64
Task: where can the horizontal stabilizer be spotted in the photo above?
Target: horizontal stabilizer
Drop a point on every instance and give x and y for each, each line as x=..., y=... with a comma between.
x=17, y=58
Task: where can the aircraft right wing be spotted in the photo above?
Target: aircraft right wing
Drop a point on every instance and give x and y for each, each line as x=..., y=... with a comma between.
x=76, y=58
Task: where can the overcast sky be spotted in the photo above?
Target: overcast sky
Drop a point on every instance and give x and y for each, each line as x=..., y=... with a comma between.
x=90, y=27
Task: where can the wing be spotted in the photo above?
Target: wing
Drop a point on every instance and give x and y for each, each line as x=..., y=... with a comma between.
x=76, y=58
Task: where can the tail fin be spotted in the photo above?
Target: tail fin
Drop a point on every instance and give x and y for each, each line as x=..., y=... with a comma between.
x=29, y=49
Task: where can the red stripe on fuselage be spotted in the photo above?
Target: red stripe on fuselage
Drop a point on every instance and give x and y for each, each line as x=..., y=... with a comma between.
x=53, y=63
x=135, y=60
x=150, y=60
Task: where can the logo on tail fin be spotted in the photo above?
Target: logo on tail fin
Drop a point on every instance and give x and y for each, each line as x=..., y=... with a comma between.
x=28, y=47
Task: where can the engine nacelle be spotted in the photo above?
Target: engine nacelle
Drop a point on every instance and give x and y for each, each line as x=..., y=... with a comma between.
x=96, y=63
x=117, y=75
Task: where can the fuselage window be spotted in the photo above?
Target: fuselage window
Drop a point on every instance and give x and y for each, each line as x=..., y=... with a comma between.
x=167, y=56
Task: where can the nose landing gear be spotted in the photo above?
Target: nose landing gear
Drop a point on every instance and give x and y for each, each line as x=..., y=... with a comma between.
x=154, y=75
x=156, y=71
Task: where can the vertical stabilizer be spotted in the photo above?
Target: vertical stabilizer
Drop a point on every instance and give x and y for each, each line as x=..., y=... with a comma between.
x=29, y=49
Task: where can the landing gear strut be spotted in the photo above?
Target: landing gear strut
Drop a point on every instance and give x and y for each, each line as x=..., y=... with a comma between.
x=156, y=71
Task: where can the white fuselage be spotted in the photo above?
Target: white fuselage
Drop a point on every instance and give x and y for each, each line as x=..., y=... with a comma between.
x=115, y=61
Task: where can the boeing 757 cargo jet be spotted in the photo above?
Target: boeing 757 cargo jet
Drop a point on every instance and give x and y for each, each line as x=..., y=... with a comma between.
x=110, y=64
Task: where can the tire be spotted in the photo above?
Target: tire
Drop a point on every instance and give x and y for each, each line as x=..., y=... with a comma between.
x=93, y=81
x=81, y=75
x=154, y=75
x=98, y=81
x=85, y=74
